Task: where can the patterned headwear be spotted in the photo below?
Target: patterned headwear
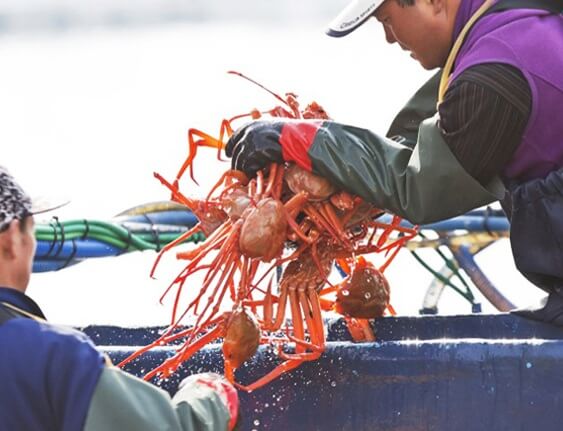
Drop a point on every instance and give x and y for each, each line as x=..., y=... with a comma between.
x=15, y=203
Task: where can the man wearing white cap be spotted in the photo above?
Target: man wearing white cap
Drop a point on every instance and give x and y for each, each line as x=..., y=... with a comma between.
x=53, y=378
x=484, y=129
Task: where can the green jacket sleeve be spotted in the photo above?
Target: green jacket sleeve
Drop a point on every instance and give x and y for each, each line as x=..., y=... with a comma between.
x=421, y=105
x=125, y=403
x=423, y=184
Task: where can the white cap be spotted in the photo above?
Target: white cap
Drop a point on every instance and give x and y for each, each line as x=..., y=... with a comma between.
x=354, y=15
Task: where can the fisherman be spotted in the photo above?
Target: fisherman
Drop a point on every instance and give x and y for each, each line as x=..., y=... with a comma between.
x=53, y=378
x=488, y=126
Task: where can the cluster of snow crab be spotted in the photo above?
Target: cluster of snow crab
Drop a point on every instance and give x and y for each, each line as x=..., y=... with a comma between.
x=285, y=218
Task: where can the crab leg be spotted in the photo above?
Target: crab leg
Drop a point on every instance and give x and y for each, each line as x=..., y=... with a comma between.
x=185, y=352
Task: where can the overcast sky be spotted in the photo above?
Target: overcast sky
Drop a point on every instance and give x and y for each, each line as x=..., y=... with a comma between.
x=57, y=15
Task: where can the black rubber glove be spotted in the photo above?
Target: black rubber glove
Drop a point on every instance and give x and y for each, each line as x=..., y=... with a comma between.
x=255, y=145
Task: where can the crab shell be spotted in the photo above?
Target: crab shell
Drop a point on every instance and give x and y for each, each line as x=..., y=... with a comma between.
x=264, y=230
x=242, y=337
x=364, y=295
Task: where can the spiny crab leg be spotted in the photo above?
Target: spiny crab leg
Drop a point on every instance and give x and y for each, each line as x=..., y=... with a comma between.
x=271, y=376
x=360, y=329
x=185, y=352
x=227, y=258
x=274, y=178
x=165, y=338
x=180, y=239
x=324, y=225
x=230, y=174
x=281, y=99
x=205, y=140
x=316, y=347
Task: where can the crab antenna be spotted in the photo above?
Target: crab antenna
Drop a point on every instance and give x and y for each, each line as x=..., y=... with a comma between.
x=233, y=72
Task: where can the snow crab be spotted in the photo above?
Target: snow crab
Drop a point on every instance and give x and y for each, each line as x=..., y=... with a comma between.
x=285, y=218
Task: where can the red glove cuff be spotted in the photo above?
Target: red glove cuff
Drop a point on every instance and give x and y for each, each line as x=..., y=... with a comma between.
x=296, y=139
x=227, y=393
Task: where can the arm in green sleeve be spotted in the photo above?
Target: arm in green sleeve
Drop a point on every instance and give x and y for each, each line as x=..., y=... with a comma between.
x=423, y=184
x=421, y=105
x=123, y=402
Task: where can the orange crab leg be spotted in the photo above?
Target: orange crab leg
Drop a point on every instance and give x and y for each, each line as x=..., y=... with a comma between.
x=268, y=307
x=255, y=114
x=322, y=223
x=271, y=376
x=281, y=99
x=210, y=243
x=274, y=167
x=360, y=329
x=293, y=360
x=227, y=256
x=165, y=338
x=269, y=323
x=230, y=174
x=205, y=140
x=316, y=350
x=222, y=291
x=259, y=185
x=389, y=228
x=192, y=268
x=278, y=183
x=313, y=314
x=399, y=243
x=186, y=351
x=315, y=256
x=168, y=246
x=159, y=341
x=296, y=316
x=327, y=211
x=280, y=261
x=312, y=311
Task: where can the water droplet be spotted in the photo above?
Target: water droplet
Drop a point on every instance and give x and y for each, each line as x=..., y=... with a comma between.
x=266, y=405
x=256, y=422
x=333, y=384
x=528, y=365
x=367, y=295
x=345, y=292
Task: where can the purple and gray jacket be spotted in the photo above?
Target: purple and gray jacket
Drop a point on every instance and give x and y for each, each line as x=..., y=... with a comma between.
x=534, y=175
x=513, y=37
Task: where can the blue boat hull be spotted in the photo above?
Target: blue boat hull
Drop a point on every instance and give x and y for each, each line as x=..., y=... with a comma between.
x=476, y=372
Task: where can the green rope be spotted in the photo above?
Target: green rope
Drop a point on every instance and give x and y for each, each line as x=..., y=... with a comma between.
x=443, y=279
x=109, y=233
x=453, y=266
